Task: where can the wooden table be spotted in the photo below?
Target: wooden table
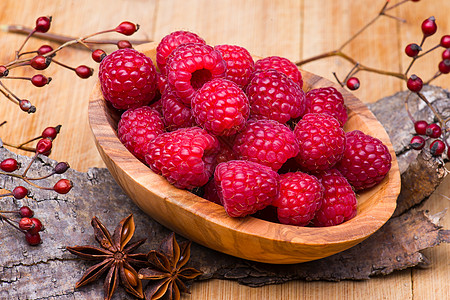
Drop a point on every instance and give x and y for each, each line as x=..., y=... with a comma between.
x=293, y=29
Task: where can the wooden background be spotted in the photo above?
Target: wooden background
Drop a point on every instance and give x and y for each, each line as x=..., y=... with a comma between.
x=293, y=29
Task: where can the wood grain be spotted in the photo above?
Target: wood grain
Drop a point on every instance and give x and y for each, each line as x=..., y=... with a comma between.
x=295, y=29
x=207, y=223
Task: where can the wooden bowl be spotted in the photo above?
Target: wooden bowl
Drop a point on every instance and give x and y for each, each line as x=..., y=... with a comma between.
x=250, y=238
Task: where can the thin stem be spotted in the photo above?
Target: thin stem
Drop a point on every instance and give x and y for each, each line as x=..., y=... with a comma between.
x=438, y=73
x=6, y=195
x=428, y=51
x=24, y=174
x=355, y=68
x=17, y=77
x=9, y=92
x=395, y=5
x=360, y=31
x=8, y=96
x=395, y=18
x=9, y=212
x=24, y=42
x=43, y=177
x=10, y=222
x=436, y=114
x=20, y=147
x=337, y=79
x=317, y=57
x=63, y=65
x=407, y=108
x=2, y=123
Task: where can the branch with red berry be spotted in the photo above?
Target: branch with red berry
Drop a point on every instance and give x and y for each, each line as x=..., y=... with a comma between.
x=436, y=133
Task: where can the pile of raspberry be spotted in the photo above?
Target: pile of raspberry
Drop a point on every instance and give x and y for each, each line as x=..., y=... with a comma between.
x=242, y=132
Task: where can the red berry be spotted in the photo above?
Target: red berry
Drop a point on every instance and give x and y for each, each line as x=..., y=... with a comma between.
x=190, y=66
x=63, y=186
x=98, y=55
x=124, y=44
x=84, y=71
x=417, y=142
x=221, y=107
x=9, y=165
x=339, y=201
x=244, y=187
x=26, y=106
x=275, y=96
x=176, y=113
x=321, y=141
x=282, y=65
x=444, y=66
x=61, y=167
x=25, y=211
x=429, y=26
x=128, y=79
x=33, y=239
x=366, y=160
x=37, y=226
x=51, y=132
x=353, y=83
x=40, y=80
x=138, y=127
x=211, y=192
x=172, y=41
x=26, y=224
x=3, y=71
x=299, y=198
x=44, y=49
x=20, y=192
x=433, y=130
x=445, y=54
x=445, y=41
x=327, y=100
x=185, y=157
x=414, y=83
x=127, y=28
x=412, y=50
x=43, y=24
x=437, y=147
x=240, y=64
x=266, y=142
x=40, y=62
x=421, y=127
x=44, y=146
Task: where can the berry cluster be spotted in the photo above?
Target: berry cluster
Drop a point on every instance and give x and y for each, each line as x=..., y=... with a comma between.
x=10, y=167
x=244, y=130
x=41, y=58
x=428, y=132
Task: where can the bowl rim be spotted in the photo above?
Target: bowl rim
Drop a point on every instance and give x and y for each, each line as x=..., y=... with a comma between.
x=358, y=228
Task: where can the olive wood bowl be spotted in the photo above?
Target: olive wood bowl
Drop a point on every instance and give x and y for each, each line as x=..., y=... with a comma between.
x=250, y=238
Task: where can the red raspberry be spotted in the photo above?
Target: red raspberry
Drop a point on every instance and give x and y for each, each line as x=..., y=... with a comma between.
x=282, y=65
x=211, y=192
x=267, y=142
x=245, y=187
x=192, y=65
x=226, y=152
x=299, y=198
x=339, y=201
x=157, y=105
x=274, y=95
x=137, y=127
x=366, y=160
x=161, y=81
x=184, y=157
x=327, y=100
x=321, y=141
x=221, y=107
x=128, y=79
x=170, y=42
x=240, y=64
x=176, y=113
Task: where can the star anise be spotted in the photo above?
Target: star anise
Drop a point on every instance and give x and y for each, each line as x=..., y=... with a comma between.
x=115, y=256
x=168, y=270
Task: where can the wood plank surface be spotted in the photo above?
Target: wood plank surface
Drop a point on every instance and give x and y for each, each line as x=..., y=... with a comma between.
x=294, y=29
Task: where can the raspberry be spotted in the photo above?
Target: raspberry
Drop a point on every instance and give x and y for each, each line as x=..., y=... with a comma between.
x=128, y=79
x=299, y=198
x=161, y=82
x=245, y=187
x=170, y=42
x=176, y=113
x=137, y=127
x=321, y=142
x=192, y=65
x=339, y=201
x=210, y=193
x=240, y=64
x=327, y=100
x=266, y=142
x=226, y=152
x=274, y=95
x=184, y=157
x=221, y=107
x=366, y=160
x=282, y=65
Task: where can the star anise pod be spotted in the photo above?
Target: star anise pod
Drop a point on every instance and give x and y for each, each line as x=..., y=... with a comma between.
x=168, y=270
x=115, y=256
